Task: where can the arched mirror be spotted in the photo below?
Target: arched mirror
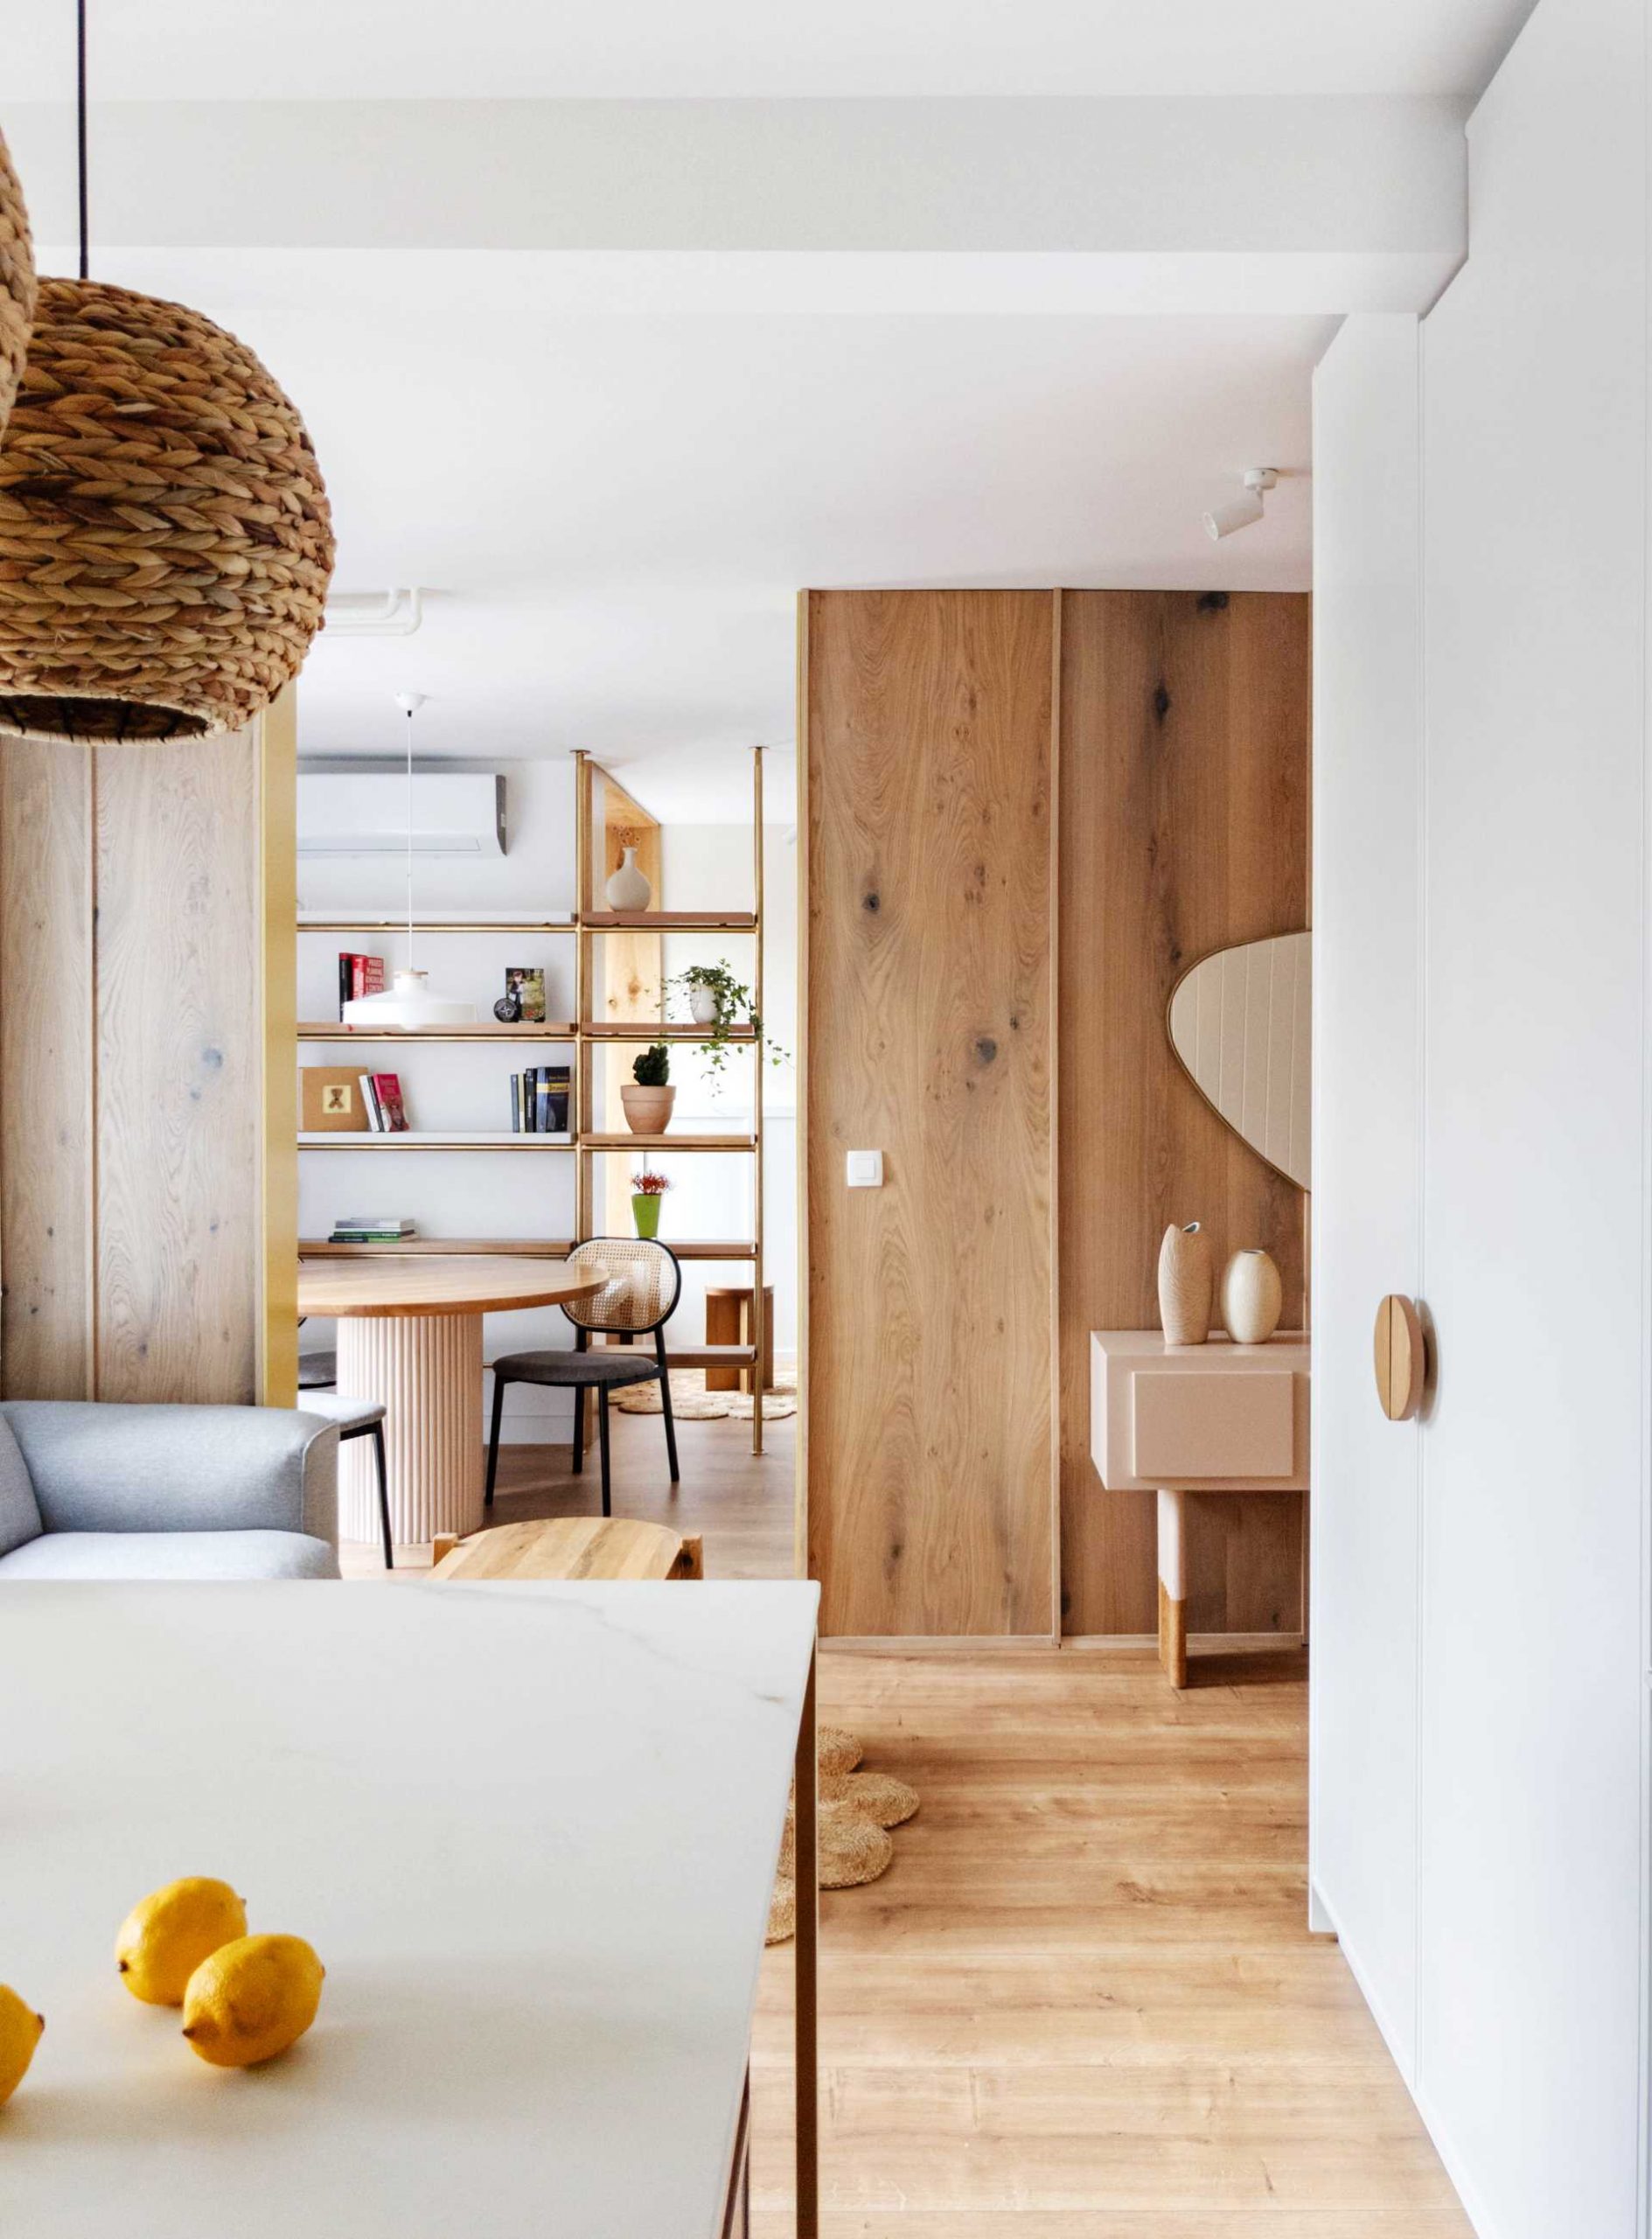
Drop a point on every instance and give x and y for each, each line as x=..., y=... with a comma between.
x=1239, y=1022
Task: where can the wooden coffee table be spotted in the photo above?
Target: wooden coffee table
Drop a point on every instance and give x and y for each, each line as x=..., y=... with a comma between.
x=410, y=1336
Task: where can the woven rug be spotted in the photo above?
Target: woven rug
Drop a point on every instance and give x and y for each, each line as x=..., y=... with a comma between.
x=691, y=1403
x=857, y=1809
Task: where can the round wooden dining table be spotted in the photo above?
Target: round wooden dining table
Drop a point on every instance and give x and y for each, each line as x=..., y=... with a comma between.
x=410, y=1337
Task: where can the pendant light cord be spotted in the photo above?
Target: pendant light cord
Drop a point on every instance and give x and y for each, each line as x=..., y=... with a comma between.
x=409, y=826
x=80, y=123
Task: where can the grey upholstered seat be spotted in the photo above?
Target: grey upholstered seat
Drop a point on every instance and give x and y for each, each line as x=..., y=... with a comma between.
x=352, y=1416
x=169, y=1555
x=567, y=1369
x=91, y=1490
x=317, y=1371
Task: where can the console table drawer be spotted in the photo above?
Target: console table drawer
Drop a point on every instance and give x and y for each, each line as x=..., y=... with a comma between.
x=1212, y=1425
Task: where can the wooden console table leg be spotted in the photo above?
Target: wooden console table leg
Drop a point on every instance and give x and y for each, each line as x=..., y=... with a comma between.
x=1173, y=1589
x=806, y=1883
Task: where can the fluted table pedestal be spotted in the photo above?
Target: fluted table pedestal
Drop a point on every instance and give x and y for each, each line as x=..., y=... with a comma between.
x=410, y=1336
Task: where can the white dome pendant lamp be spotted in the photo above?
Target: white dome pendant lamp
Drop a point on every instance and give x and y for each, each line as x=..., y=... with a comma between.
x=409, y=1002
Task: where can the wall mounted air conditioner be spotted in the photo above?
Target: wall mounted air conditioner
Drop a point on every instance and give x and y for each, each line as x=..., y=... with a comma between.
x=455, y=813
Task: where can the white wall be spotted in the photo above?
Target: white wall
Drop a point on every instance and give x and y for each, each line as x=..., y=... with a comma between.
x=1525, y=1968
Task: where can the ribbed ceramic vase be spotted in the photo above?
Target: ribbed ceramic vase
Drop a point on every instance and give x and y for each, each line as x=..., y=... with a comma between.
x=1185, y=1277
x=627, y=889
x=1252, y=1297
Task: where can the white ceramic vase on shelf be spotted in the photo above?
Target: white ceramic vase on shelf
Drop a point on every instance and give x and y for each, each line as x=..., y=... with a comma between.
x=1252, y=1297
x=627, y=889
x=1185, y=1275
x=702, y=1005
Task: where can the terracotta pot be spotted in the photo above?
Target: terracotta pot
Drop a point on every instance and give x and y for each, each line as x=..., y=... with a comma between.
x=1252, y=1297
x=1185, y=1278
x=647, y=1110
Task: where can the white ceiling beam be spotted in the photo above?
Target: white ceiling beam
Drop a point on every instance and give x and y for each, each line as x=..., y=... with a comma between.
x=1146, y=205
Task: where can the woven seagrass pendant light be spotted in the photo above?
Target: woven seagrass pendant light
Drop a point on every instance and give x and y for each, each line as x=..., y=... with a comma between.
x=165, y=541
x=16, y=284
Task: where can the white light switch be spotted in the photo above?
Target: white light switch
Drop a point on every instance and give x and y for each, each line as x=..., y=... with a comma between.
x=866, y=1169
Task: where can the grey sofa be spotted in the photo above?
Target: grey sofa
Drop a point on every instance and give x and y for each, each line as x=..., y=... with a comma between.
x=96, y=1491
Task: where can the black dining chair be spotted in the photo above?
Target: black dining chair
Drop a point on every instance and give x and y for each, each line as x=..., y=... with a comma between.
x=643, y=1283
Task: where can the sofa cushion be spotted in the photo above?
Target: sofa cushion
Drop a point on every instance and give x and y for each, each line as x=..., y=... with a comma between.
x=90, y=1555
x=19, y=1510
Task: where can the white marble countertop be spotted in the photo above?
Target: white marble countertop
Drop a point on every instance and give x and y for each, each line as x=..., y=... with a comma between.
x=531, y=1830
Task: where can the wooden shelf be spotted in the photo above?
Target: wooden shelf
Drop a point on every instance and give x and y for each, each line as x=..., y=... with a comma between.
x=453, y=1247
x=628, y=1143
x=669, y=921
x=391, y=926
x=500, y=1247
x=484, y=1031
x=410, y=1139
x=632, y=1029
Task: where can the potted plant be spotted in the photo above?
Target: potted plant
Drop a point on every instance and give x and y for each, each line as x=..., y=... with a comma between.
x=648, y=1104
x=718, y=1000
x=647, y=1189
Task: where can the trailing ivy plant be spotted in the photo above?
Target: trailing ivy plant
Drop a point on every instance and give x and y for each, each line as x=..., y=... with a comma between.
x=733, y=999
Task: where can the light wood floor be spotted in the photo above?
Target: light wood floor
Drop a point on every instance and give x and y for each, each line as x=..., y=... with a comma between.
x=1082, y=2003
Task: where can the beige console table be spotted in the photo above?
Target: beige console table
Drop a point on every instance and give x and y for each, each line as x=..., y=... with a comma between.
x=1175, y=1419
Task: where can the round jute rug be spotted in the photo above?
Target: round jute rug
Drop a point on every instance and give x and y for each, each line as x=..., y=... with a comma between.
x=856, y=1811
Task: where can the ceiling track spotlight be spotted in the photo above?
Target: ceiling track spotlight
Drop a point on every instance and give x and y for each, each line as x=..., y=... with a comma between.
x=1244, y=512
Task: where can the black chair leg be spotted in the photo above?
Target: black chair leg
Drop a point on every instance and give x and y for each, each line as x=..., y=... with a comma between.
x=384, y=1495
x=493, y=1438
x=579, y=1428
x=602, y=1436
x=665, y=1403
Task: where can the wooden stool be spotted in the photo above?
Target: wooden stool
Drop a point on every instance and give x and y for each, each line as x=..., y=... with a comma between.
x=571, y=1546
x=728, y=1322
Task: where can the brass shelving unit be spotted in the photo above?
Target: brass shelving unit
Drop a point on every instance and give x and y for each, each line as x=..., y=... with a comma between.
x=586, y=1142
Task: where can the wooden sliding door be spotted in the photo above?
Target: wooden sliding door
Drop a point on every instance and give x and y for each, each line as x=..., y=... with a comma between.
x=929, y=1024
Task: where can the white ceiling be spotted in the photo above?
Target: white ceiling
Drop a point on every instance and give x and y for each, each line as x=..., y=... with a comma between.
x=612, y=514
x=185, y=50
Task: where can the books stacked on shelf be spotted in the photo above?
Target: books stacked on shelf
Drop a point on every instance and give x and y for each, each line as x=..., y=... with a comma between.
x=538, y=1100
x=381, y=1097
x=373, y=1228
x=359, y=975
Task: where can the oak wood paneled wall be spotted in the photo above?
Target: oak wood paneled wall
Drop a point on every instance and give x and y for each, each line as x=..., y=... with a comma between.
x=1184, y=789
x=133, y=1152
x=929, y=1033
x=1012, y=795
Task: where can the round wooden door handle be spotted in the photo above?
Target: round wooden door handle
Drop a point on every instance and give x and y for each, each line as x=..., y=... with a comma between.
x=1398, y=1349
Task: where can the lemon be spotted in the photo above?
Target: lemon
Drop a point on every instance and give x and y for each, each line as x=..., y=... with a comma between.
x=252, y=1999
x=20, y=2028
x=164, y=1939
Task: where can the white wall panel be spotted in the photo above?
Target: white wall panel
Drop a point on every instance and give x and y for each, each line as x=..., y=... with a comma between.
x=1367, y=1130
x=1535, y=620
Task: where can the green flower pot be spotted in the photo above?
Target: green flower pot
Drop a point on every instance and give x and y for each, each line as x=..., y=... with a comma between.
x=646, y=1212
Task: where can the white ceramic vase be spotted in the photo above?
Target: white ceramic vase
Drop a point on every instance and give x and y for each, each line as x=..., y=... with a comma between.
x=1185, y=1276
x=702, y=1006
x=627, y=889
x=1252, y=1297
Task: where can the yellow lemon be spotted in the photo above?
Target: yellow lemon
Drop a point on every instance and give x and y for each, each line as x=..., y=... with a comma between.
x=252, y=1999
x=20, y=2028
x=164, y=1939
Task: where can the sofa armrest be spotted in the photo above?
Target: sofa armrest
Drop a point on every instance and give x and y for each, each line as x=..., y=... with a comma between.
x=103, y=1465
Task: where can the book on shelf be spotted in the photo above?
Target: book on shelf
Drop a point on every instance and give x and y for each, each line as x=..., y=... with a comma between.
x=398, y=1222
x=381, y=1096
x=359, y=975
x=538, y=1100
x=372, y=1232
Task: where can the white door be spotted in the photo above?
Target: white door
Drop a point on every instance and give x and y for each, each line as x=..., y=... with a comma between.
x=1367, y=1153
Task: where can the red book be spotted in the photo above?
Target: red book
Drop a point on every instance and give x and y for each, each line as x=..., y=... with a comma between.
x=387, y=1088
x=372, y=975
